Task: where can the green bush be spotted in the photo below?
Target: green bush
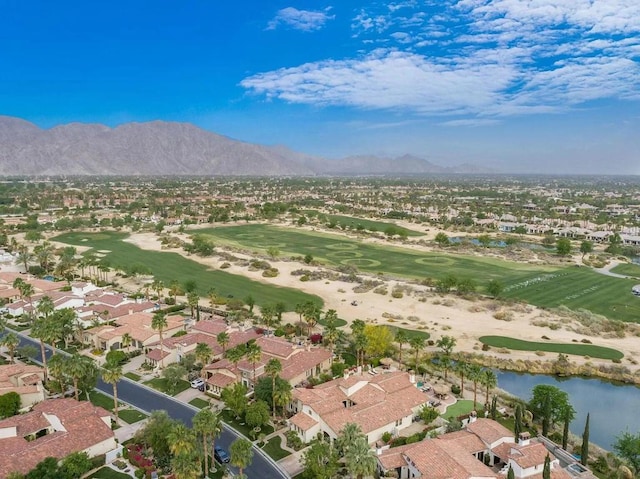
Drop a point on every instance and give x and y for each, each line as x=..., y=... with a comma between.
x=116, y=357
x=455, y=389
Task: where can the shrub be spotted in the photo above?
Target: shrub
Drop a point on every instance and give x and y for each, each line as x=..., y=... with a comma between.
x=316, y=338
x=116, y=357
x=386, y=437
x=455, y=389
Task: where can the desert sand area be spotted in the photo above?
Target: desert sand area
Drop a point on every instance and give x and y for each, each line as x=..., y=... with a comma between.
x=437, y=314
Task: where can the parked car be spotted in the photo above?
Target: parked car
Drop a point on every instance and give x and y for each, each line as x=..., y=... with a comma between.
x=197, y=383
x=220, y=455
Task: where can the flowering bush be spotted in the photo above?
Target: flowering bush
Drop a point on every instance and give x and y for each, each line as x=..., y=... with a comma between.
x=315, y=338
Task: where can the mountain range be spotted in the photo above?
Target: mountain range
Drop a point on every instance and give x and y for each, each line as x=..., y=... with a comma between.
x=170, y=148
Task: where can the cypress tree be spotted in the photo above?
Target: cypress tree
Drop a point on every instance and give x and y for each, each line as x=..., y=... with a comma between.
x=546, y=417
x=494, y=408
x=511, y=474
x=584, y=450
x=565, y=432
x=517, y=427
x=546, y=472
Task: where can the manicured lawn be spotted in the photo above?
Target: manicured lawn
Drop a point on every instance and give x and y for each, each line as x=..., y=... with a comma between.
x=338, y=323
x=199, y=403
x=353, y=223
x=101, y=400
x=405, y=262
x=132, y=376
x=273, y=449
x=579, y=288
x=108, y=473
x=460, y=407
x=629, y=269
x=131, y=416
x=410, y=333
x=161, y=385
x=240, y=426
x=168, y=267
x=565, y=348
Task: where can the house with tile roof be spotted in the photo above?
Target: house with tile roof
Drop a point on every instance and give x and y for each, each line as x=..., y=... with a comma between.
x=299, y=362
x=54, y=428
x=483, y=450
x=380, y=403
x=26, y=380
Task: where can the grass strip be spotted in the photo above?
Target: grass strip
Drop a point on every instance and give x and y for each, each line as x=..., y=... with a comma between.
x=590, y=350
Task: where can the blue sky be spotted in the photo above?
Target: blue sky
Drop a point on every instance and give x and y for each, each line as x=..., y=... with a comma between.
x=520, y=85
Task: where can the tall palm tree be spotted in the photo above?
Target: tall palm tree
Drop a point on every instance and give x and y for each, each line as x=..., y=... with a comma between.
x=127, y=341
x=207, y=424
x=203, y=354
x=360, y=344
x=273, y=368
x=350, y=432
x=235, y=355
x=157, y=286
x=445, y=363
x=159, y=322
x=462, y=369
x=45, y=306
x=360, y=459
x=311, y=315
x=282, y=395
x=193, y=299
x=474, y=374
x=11, y=342
x=490, y=381
x=223, y=340
x=401, y=338
x=254, y=353
x=186, y=466
x=45, y=332
x=57, y=370
x=77, y=366
x=417, y=344
x=241, y=453
x=181, y=440
x=111, y=374
x=24, y=257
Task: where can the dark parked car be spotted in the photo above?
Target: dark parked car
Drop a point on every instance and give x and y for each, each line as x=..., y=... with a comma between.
x=221, y=455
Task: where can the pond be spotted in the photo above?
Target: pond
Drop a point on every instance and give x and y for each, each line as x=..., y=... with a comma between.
x=613, y=407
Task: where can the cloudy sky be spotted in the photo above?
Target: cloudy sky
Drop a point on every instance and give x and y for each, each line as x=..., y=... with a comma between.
x=547, y=86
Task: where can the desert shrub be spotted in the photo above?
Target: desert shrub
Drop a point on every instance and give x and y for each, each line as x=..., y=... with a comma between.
x=503, y=315
x=270, y=273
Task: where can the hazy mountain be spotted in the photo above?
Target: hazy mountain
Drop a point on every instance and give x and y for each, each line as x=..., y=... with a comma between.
x=169, y=148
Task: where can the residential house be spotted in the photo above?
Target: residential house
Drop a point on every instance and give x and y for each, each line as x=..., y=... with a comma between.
x=26, y=380
x=379, y=404
x=55, y=428
x=483, y=450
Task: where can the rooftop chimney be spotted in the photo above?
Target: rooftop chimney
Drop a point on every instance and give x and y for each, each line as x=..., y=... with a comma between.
x=524, y=439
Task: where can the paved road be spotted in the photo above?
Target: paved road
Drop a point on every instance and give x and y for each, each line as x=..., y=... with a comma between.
x=149, y=400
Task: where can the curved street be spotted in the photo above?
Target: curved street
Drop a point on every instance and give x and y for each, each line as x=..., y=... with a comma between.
x=148, y=400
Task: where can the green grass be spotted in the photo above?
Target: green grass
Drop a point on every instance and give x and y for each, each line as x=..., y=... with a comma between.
x=460, y=407
x=199, y=403
x=167, y=267
x=410, y=333
x=108, y=473
x=240, y=426
x=101, y=400
x=132, y=376
x=131, y=416
x=579, y=288
x=628, y=269
x=565, y=348
x=334, y=250
x=273, y=449
x=351, y=222
x=161, y=385
x=338, y=323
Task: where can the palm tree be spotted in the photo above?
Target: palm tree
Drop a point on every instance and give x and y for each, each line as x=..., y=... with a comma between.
x=77, y=366
x=45, y=306
x=273, y=368
x=235, y=355
x=417, y=344
x=254, y=353
x=26, y=291
x=360, y=343
x=445, y=363
x=490, y=381
x=111, y=374
x=186, y=466
x=462, y=369
x=57, y=370
x=11, y=342
x=350, y=432
x=311, y=315
x=181, y=440
x=282, y=395
x=401, y=338
x=192, y=299
x=174, y=290
x=241, y=453
x=24, y=257
x=223, y=340
x=127, y=341
x=360, y=459
x=208, y=425
x=203, y=354
x=474, y=373
x=157, y=286
x=45, y=332
x=159, y=322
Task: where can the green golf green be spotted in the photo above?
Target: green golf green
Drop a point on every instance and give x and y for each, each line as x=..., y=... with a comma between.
x=565, y=348
x=167, y=267
x=362, y=223
x=628, y=269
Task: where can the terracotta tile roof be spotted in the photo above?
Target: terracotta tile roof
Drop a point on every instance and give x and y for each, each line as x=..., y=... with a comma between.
x=489, y=431
x=303, y=421
x=531, y=455
x=157, y=354
x=467, y=440
x=221, y=380
x=211, y=326
x=303, y=361
x=371, y=406
x=82, y=427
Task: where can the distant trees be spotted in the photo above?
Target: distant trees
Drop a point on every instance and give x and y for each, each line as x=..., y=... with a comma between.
x=563, y=246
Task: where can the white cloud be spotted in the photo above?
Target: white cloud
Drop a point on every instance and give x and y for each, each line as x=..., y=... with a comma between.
x=304, y=20
x=478, y=57
x=472, y=122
